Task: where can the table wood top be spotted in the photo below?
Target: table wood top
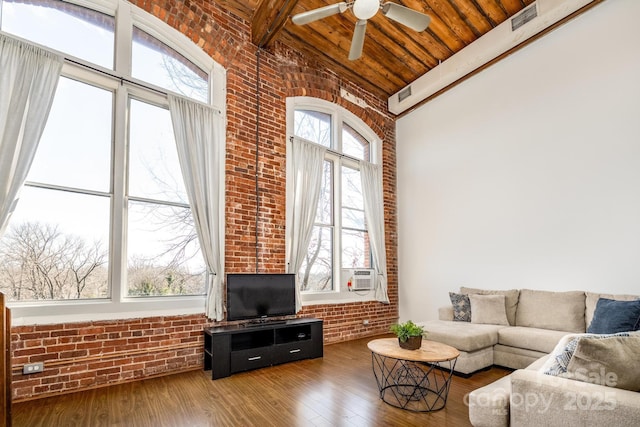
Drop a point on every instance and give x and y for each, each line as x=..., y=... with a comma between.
x=430, y=351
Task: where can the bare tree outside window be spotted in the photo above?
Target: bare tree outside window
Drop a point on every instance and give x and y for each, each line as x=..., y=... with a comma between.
x=38, y=262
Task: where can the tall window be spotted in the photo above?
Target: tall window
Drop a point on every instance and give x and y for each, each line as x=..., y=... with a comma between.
x=104, y=213
x=340, y=241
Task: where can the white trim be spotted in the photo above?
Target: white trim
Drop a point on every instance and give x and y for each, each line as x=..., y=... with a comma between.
x=52, y=312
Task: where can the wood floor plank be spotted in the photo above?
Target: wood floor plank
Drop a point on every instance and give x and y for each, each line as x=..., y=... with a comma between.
x=336, y=390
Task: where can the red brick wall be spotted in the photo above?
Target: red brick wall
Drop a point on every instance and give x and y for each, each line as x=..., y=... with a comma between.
x=92, y=354
x=85, y=355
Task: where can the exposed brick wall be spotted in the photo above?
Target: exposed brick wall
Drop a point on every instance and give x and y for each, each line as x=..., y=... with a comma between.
x=85, y=355
x=91, y=354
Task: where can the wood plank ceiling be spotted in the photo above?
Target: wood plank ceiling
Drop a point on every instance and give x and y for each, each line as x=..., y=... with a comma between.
x=393, y=55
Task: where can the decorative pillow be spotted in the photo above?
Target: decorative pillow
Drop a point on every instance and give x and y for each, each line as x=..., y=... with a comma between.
x=611, y=362
x=561, y=355
x=592, y=299
x=550, y=366
x=488, y=309
x=613, y=316
x=510, y=299
x=461, y=307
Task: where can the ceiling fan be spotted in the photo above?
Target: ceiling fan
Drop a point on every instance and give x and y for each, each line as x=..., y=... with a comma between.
x=363, y=10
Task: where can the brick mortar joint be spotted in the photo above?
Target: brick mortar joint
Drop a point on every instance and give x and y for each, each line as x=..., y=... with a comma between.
x=114, y=355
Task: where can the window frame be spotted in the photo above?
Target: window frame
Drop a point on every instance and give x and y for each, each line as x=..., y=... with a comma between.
x=339, y=115
x=120, y=82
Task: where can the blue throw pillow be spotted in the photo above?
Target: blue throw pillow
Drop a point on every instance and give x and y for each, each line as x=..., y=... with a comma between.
x=611, y=316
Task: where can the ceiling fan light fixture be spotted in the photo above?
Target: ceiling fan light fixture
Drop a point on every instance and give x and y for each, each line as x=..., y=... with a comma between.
x=411, y=18
x=365, y=9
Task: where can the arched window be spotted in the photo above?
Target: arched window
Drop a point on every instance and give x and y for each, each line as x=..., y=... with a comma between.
x=340, y=241
x=103, y=218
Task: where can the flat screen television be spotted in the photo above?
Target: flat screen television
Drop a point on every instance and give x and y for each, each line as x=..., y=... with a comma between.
x=260, y=296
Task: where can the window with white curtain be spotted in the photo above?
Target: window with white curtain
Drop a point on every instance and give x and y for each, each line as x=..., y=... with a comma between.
x=104, y=215
x=339, y=240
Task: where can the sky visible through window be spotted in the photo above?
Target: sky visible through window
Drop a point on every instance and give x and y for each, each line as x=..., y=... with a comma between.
x=76, y=149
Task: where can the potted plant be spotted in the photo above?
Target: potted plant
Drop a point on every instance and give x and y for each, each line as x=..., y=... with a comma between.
x=409, y=334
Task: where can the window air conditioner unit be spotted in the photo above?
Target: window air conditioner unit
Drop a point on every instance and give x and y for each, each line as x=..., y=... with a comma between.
x=362, y=280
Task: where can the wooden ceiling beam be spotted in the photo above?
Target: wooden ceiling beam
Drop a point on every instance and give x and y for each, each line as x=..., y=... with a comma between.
x=269, y=18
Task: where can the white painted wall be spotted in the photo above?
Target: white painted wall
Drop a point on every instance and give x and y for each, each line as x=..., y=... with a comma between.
x=528, y=174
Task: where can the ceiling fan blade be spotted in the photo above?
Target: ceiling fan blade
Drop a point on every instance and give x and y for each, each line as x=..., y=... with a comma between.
x=411, y=18
x=315, y=14
x=357, y=42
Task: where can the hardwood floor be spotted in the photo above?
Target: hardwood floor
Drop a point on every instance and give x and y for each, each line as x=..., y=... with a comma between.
x=336, y=390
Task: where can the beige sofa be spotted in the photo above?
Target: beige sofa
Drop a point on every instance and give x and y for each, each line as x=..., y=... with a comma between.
x=529, y=398
x=538, y=323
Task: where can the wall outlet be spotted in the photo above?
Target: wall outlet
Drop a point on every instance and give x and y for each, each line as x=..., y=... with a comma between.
x=33, y=368
x=365, y=322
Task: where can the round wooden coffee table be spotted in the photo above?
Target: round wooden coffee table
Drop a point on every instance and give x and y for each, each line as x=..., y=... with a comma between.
x=416, y=380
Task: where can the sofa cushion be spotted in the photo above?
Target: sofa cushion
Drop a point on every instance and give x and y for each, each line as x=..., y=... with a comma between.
x=607, y=361
x=488, y=309
x=613, y=316
x=537, y=339
x=510, y=299
x=462, y=335
x=461, y=307
x=563, y=352
x=560, y=311
x=592, y=299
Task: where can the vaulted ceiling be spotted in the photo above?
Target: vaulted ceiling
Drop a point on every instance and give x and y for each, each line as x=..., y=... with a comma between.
x=393, y=55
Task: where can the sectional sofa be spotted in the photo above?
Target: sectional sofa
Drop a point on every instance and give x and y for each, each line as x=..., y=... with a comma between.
x=529, y=331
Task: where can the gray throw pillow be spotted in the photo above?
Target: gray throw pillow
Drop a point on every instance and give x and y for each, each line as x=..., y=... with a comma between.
x=510, y=299
x=488, y=309
x=611, y=361
x=461, y=307
x=560, y=357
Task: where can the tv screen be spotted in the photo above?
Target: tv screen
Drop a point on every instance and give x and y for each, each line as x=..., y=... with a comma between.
x=254, y=296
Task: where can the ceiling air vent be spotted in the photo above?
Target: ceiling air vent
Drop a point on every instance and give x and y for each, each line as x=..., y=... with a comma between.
x=404, y=94
x=524, y=17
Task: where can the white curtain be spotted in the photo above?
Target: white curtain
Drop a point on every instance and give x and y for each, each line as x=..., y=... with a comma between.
x=374, y=214
x=28, y=80
x=307, y=163
x=199, y=132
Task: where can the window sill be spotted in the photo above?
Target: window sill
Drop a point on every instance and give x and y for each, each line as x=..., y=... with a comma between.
x=55, y=312
x=323, y=298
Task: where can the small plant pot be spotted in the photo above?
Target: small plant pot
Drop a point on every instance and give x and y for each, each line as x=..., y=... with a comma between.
x=412, y=343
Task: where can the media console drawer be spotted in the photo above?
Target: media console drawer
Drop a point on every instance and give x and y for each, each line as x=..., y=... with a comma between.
x=244, y=360
x=236, y=348
x=293, y=351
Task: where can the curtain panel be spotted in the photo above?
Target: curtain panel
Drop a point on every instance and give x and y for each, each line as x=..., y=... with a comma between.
x=200, y=132
x=29, y=77
x=307, y=162
x=374, y=215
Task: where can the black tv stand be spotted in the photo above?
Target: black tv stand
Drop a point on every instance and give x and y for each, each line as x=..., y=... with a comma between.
x=231, y=349
x=261, y=322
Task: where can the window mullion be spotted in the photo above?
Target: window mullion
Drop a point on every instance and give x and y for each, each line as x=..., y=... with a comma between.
x=124, y=36
x=119, y=200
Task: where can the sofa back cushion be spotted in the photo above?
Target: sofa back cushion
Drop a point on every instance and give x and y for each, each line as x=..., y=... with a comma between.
x=592, y=299
x=510, y=299
x=561, y=311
